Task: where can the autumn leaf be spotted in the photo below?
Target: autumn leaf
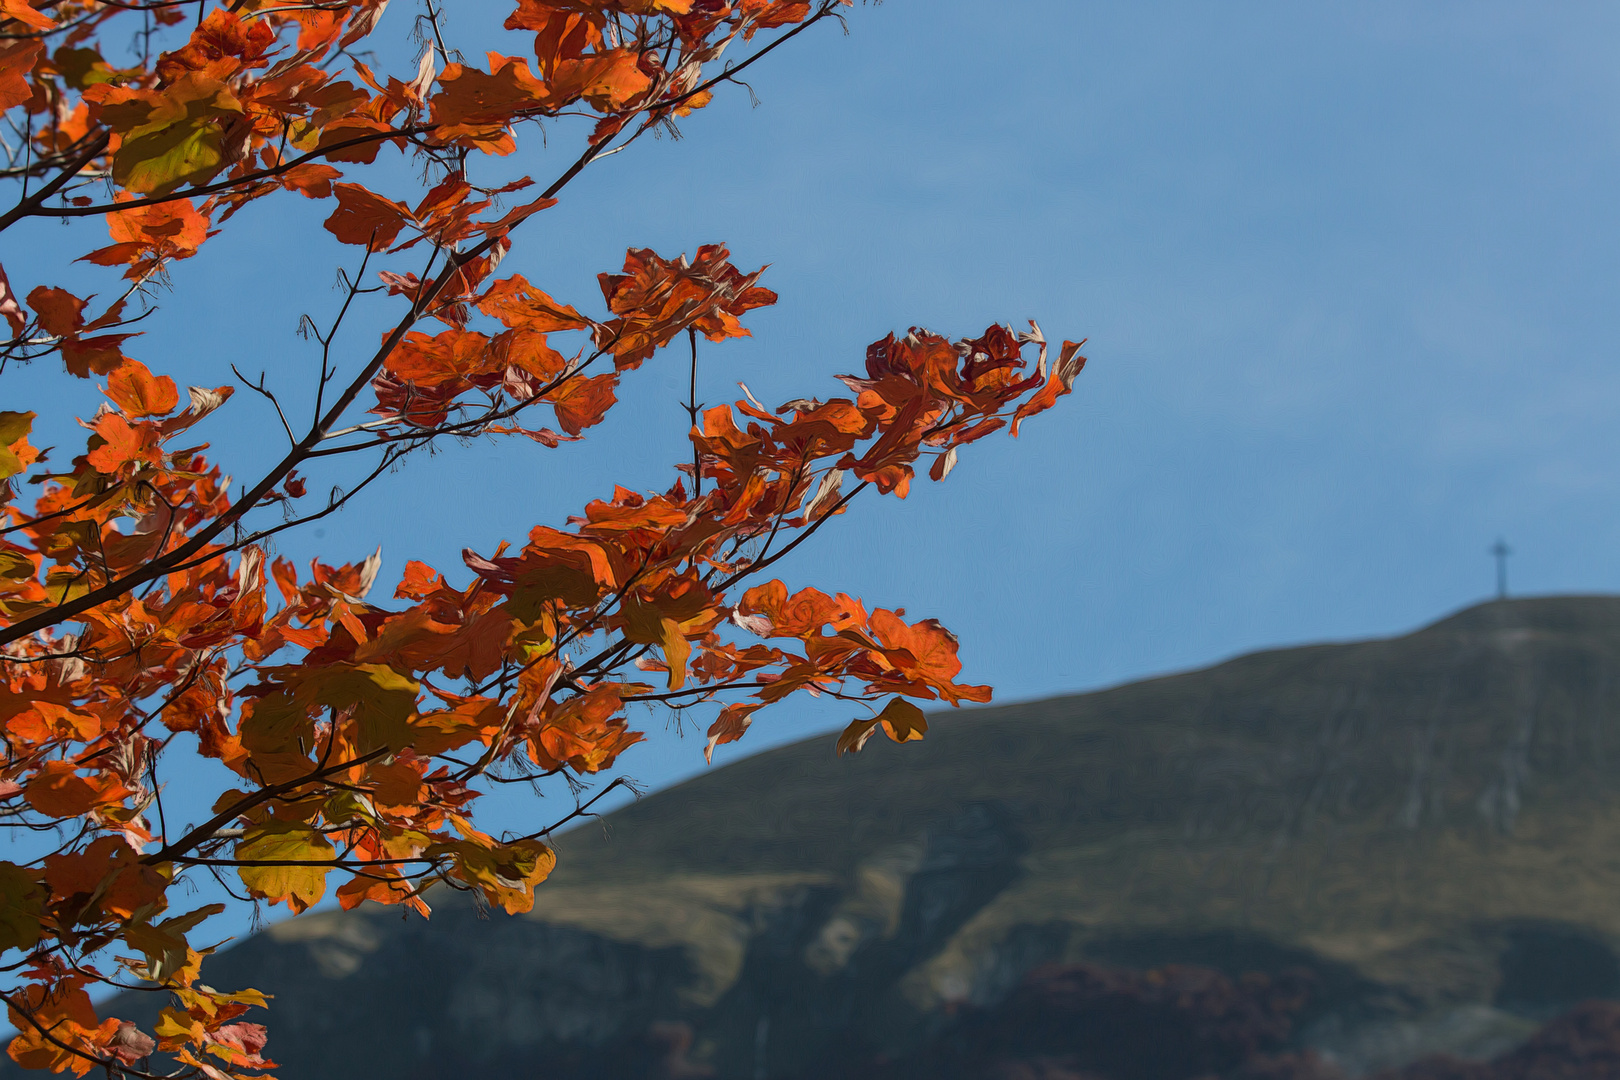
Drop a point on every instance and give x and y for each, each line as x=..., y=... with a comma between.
x=15, y=453
x=729, y=726
x=379, y=701
x=22, y=907
x=476, y=107
x=130, y=1044
x=65, y=1011
x=607, y=81
x=677, y=650
x=59, y=790
x=1058, y=383
x=164, y=944
x=145, y=236
x=140, y=393
x=311, y=180
x=582, y=403
x=363, y=217
x=110, y=870
x=293, y=860
x=900, y=720
x=10, y=309
x=25, y=13
x=769, y=14
x=925, y=652
x=59, y=312
x=853, y=739
x=170, y=137
x=506, y=873
x=123, y=443
x=522, y=306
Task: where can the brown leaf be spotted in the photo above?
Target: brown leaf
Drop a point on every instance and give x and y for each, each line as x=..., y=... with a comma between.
x=130, y=1044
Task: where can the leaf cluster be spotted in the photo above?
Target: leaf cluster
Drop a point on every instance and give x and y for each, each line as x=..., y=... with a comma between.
x=140, y=600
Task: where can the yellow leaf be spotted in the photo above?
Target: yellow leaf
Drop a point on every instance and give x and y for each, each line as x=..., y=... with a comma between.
x=292, y=860
x=384, y=701
x=14, y=429
x=165, y=946
x=676, y=652
x=506, y=873
x=174, y=136
x=179, y=1027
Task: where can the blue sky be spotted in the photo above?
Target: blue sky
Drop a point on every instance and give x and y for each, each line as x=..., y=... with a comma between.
x=1347, y=270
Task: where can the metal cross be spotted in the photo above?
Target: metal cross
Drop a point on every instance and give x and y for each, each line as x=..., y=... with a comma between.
x=1501, y=551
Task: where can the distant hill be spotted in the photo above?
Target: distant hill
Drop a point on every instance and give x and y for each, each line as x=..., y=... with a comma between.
x=1427, y=827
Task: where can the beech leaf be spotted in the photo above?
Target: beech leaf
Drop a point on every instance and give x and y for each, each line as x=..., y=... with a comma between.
x=295, y=854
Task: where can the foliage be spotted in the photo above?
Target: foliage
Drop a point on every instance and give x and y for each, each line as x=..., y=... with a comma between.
x=140, y=600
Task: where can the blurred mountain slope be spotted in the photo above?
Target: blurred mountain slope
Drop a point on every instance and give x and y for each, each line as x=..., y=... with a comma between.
x=1427, y=826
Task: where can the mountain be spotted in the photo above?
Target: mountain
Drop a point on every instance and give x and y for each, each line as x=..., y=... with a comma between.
x=1420, y=834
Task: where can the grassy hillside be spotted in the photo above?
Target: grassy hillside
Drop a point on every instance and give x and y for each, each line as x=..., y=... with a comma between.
x=1382, y=803
x=1430, y=824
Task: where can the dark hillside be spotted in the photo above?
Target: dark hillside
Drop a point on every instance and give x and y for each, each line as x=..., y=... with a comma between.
x=1426, y=829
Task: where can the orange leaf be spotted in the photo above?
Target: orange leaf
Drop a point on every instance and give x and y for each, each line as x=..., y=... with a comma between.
x=363, y=217
x=314, y=181
x=522, y=306
x=146, y=234
x=65, y=1011
x=59, y=791
x=1061, y=381
x=140, y=393
x=476, y=106
x=23, y=12
x=804, y=614
x=677, y=650
x=17, y=59
x=607, y=81
x=582, y=403
x=123, y=443
x=926, y=652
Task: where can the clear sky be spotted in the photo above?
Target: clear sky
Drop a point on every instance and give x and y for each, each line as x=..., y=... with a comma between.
x=1348, y=271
